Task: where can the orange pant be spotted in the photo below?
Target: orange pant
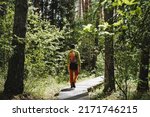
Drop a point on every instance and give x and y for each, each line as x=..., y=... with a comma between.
x=73, y=76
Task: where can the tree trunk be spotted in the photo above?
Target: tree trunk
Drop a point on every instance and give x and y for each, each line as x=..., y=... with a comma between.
x=86, y=6
x=96, y=25
x=90, y=5
x=51, y=12
x=95, y=52
x=14, y=82
x=144, y=69
x=83, y=7
x=109, y=81
x=71, y=13
x=80, y=9
x=143, y=84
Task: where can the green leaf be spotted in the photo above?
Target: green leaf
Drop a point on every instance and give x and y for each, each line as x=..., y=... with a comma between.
x=104, y=26
x=88, y=28
x=129, y=2
x=117, y=3
x=120, y=12
x=132, y=12
x=124, y=27
x=138, y=10
x=118, y=23
x=105, y=33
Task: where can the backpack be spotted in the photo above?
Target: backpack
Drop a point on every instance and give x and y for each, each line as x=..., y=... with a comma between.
x=73, y=60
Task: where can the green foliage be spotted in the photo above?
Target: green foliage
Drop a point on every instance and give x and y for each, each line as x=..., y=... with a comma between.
x=100, y=65
x=6, y=23
x=129, y=36
x=98, y=94
x=87, y=45
x=126, y=2
x=46, y=45
x=43, y=55
x=127, y=66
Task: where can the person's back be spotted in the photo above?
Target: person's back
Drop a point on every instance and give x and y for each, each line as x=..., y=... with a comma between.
x=74, y=64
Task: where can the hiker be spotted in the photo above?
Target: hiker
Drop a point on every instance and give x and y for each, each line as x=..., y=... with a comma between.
x=74, y=64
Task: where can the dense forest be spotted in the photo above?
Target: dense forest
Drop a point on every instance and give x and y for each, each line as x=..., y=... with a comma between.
x=112, y=36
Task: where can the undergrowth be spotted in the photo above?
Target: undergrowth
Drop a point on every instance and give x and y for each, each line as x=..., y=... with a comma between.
x=45, y=88
x=98, y=94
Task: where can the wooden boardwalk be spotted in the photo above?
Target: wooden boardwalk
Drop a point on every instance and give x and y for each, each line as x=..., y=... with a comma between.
x=81, y=90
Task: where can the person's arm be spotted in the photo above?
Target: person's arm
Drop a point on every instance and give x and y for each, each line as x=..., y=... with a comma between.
x=79, y=62
x=68, y=62
x=68, y=68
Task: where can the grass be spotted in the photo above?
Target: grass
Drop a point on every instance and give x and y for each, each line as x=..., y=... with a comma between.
x=2, y=84
x=2, y=81
x=38, y=89
x=45, y=88
x=98, y=94
x=49, y=88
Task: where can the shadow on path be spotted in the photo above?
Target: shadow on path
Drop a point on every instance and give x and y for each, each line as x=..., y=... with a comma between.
x=67, y=89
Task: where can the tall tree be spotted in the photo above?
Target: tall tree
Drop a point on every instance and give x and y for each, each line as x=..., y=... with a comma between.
x=144, y=69
x=109, y=81
x=80, y=12
x=86, y=5
x=83, y=6
x=14, y=83
x=97, y=15
x=78, y=7
x=145, y=51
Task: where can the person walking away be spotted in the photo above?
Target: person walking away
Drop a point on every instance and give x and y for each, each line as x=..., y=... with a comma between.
x=74, y=64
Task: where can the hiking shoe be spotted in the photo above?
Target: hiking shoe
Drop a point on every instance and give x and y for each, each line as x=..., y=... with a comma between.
x=74, y=85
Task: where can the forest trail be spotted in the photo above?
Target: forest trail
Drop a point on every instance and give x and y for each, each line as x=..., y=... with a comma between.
x=81, y=90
